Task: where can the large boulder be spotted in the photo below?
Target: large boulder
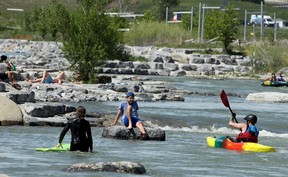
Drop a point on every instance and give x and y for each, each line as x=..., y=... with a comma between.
x=10, y=113
x=268, y=97
x=119, y=167
x=21, y=97
x=41, y=114
x=121, y=132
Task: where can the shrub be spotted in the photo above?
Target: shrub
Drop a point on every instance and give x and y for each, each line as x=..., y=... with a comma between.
x=266, y=57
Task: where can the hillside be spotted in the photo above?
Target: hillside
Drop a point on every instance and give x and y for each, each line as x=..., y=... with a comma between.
x=140, y=6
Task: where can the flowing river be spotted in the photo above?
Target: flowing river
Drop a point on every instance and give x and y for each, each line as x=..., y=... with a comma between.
x=184, y=153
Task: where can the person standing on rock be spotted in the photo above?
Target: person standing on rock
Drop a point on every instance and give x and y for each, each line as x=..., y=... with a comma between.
x=6, y=73
x=81, y=137
x=129, y=111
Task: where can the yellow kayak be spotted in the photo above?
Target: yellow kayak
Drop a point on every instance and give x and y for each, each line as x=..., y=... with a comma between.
x=224, y=142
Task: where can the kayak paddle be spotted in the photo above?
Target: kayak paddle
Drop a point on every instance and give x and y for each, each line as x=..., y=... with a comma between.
x=226, y=103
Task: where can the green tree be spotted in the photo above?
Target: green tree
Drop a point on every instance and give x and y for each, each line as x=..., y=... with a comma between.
x=90, y=37
x=150, y=15
x=224, y=25
x=186, y=21
x=57, y=18
x=32, y=20
x=161, y=7
x=91, y=40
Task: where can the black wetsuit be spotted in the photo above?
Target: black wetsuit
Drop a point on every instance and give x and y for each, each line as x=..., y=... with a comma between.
x=81, y=138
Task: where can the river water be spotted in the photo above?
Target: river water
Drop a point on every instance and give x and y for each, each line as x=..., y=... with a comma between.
x=184, y=153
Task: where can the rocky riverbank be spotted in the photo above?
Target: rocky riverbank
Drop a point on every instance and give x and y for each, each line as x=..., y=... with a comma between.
x=32, y=57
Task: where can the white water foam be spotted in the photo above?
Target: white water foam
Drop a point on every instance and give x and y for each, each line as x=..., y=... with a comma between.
x=214, y=130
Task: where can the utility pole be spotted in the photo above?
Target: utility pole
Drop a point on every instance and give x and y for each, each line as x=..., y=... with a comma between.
x=203, y=19
x=191, y=20
x=275, y=29
x=167, y=14
x=262, y=17
x=199, y=22
x=245, y=25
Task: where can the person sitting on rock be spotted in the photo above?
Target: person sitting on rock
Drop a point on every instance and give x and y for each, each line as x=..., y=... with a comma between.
x=6, y=74
x=129, y=111
x=46, y=78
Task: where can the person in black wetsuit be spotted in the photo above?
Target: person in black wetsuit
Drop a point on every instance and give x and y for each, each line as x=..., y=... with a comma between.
x=81, y=138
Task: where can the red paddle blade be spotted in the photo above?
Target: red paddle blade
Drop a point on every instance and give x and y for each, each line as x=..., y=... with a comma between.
x=224, y=98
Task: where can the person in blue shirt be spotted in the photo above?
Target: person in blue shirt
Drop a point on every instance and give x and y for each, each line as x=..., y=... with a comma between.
x=129, y=111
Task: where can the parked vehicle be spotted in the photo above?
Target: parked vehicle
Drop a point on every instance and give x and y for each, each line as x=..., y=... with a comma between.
x=256, y=20
x=282, y=24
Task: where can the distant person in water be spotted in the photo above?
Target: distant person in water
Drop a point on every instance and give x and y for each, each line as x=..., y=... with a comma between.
x=249, y=132
x=46, y=78
x=81, y=137
x=129, y=111
x=280, y=77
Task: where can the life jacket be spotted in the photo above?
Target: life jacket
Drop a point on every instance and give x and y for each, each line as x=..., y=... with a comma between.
x=11, y=66
x=249, y=135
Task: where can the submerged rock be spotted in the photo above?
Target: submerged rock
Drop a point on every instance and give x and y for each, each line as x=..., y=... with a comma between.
x=119, y=167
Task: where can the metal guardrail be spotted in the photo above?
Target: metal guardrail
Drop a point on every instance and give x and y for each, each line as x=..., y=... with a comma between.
x=15, y=9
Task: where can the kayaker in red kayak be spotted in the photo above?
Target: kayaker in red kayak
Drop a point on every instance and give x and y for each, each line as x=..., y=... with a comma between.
x=249, y=132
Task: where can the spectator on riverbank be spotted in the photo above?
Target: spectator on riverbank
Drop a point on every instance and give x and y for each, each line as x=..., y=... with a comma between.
x=129, y=111
x=6, y=73
x=280, y=77
x=46, y=78
x=10, y=65
x=81, y=137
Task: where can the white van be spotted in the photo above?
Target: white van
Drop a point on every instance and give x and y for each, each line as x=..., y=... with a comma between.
x=256, y=20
